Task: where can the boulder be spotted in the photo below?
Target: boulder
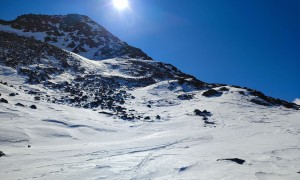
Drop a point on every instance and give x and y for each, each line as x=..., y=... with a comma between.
x=242, y=92
x=33, y=107
x=223, y=89
x=236, y=160
x=1, y=154
x=147, y=118
x=106, y=113
x=202, y=113
x=19, y=104
x=260, y=102
x=2, y=100
x=185, y=96
x=211, y=93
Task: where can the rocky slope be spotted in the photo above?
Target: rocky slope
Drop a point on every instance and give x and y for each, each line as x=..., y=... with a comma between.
x=73, y=32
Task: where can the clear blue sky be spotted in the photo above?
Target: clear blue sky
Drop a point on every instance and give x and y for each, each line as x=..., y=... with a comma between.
x=248, y=43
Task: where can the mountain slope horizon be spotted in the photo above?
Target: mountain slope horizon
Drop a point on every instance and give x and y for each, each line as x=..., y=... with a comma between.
x=91, y=41
x=75, y=33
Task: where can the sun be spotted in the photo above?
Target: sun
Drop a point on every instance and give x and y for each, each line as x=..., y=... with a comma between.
x=121, y=4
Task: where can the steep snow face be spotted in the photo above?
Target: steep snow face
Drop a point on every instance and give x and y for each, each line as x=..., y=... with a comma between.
x=76, y=33
x=173, y=143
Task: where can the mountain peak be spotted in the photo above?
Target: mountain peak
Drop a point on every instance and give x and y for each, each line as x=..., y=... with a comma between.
x=74, y=32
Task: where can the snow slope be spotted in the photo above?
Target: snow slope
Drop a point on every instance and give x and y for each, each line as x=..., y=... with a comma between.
x=76, y=143
x=64, y=116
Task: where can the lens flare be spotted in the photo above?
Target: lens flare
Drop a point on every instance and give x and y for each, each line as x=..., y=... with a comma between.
x=121, y=4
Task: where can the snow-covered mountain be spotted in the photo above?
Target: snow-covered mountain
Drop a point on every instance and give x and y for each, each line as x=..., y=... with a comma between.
x=73, y=32
x=65, y=114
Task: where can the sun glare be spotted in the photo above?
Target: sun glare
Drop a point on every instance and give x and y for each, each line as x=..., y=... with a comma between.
x=120, y=4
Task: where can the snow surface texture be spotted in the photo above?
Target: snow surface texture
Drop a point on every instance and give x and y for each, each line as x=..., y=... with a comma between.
x=76, y=143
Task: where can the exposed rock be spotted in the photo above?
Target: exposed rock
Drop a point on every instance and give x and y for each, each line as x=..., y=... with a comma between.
x=33, y=107
x=242, y=92
x=264, y=100
x=211, y=93
x=202, y=113
x=147, y=118
x=223, y=89
x=2, y=100
x=106, y=113
x=185, y=96
x=19, y=104
x=236, y=160
x=205, y=114
x=260, y=102
x=81, y=33
x=127, y=117
x=1, y=154
x=208, y=122
x=183, y=169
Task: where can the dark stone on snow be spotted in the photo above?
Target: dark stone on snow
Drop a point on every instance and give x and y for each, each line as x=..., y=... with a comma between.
x=1, y=154
x=242, y=92
x=236, y=160
x=208, y=122
x=211, y=93
x=127, y=117
x=12, y=94
x=2, y=100
x=147, y=118
x=183, y=169
x=158, y=117
x=185, y=96
x=149, y=106
x=205, y=114
x=19, y=104
x=33, y=107
x=106, y=113
x=37, y=98
x=223, y=89
x=260, y=102
x=32, y=92
x=202, y=113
